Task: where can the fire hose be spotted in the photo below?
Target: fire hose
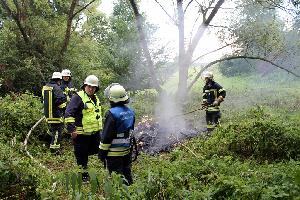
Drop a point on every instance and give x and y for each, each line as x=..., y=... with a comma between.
x=189, y=112
x=31, y=157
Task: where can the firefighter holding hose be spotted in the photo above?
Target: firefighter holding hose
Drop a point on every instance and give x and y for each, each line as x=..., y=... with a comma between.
x=213, y=95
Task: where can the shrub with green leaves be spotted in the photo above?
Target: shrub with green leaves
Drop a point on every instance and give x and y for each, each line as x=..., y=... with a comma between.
x=18, y=113
x=143, y=102
x=231, y=68
x=258, y=135
x=17, y=178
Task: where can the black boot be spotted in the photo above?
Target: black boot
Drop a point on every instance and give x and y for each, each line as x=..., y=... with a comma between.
x=85, y=177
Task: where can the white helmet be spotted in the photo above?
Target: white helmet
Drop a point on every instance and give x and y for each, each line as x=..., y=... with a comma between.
x=207, y=74
x=91, y=80
x=117, y=93
x=56, y=75
x=106, y=91
x=66, y=72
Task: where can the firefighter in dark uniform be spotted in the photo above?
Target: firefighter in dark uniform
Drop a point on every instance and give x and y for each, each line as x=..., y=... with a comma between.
x=84, y=123
x=54, y=102
x=67, y=84
x=213, y=95
x=115, y=145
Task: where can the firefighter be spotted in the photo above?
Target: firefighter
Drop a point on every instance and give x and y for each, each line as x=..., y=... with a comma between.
x=67, y=84
x=213, y=95
x=115, y=146
x=84, y=123
x=54, y=102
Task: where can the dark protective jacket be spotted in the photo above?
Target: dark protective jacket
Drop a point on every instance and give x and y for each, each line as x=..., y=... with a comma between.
x=83, y=114
x=68, y=88
x=54, y=101
x=211, y=92
x=115, y=138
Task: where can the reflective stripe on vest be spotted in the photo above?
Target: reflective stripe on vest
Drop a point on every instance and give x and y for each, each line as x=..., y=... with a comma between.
x=213, y=108
x=47, y=93
x=48, y=101
x=91, y=119
x=123, y=142
x=114, y=149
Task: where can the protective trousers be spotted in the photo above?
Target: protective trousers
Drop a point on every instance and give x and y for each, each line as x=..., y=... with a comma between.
x=120, y=165
x=84, y=146
x=55, y=131
x=212, y=119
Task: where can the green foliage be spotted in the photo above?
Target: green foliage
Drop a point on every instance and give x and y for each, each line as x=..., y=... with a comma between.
x=258, y=30
x=260, y=136
x=114, y=188
x=143, y=101
x=18, y=113
x=236, y=67
x=16, y=179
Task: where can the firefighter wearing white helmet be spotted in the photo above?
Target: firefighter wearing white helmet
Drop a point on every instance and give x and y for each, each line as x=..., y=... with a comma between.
x=107, y=89
x=67, y=84
x=213, y=95
x=54, y=102
x=207, y=75
x=84, y=122
x=56, y=75
x=92, y=80
x=116, y=146
x=66, y=72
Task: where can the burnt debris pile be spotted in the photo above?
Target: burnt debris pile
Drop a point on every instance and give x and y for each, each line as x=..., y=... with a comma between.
x=153, y=137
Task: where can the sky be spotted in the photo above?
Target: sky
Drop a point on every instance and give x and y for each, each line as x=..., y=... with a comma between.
x=167, y=32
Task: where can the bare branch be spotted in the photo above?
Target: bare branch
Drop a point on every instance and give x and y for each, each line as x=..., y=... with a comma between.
x=212, y=51
x=68, y=31
x=237, y=57
x=214, y=12
x=200, y=31
x=188, y=5
x=172, y=19
x=193, y=27
x=218, y=26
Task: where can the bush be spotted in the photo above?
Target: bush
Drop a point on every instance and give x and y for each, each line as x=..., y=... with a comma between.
x=236, y=67
x=258, y=136
x=18, y=113
x=16, y=178
x=143, y=102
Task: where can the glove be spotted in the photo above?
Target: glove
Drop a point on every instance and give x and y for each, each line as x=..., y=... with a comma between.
x=204, y=105
x=102, y=155
x=216, y=103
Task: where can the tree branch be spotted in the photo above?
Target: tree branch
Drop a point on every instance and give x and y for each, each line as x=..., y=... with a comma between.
x=83, y=8
x=200, y=31
x=17, y=20
x=212, y=52
x=188, y=5
x=237, y=57
x=172, y=19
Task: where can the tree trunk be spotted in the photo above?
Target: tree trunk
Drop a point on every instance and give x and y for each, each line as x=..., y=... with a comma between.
x=186, y=60
x=183, y=71
x=144, y=45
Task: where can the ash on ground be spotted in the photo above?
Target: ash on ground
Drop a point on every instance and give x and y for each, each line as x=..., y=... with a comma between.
x=153, y=137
